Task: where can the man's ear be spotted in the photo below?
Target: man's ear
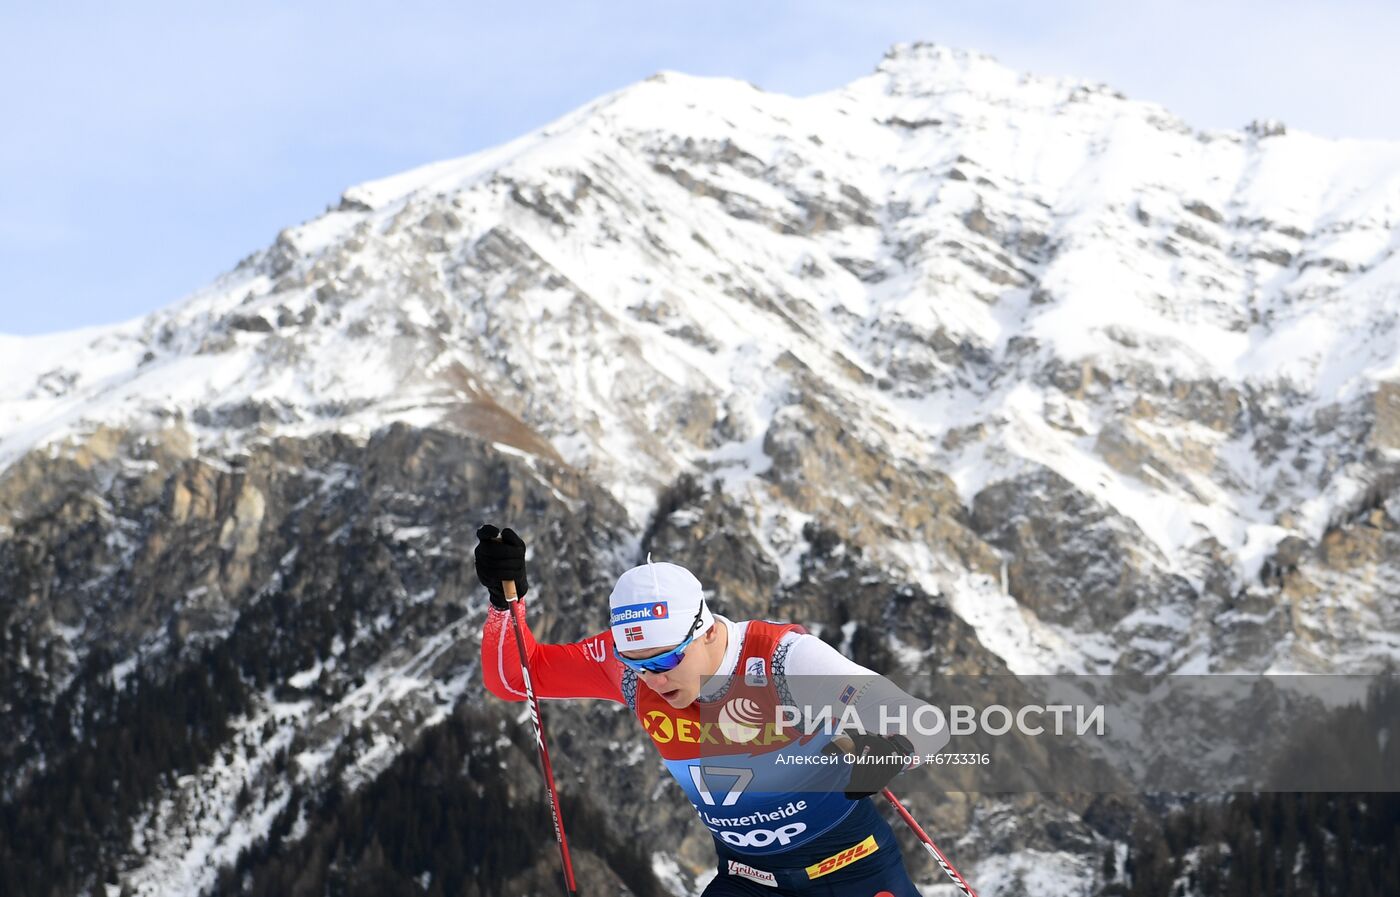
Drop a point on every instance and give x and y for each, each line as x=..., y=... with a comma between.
x=711, y=634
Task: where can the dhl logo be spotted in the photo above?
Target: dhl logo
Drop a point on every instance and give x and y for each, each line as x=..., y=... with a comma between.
x=844, y=858
x=664, y=729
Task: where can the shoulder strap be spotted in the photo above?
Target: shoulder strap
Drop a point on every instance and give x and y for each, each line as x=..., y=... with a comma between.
x=780, y=654
x=629, y=688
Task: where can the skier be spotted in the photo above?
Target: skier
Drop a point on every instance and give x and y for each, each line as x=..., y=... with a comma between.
x=709, y=698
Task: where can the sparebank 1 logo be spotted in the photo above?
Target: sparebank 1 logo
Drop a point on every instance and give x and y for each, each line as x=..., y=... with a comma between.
x=639, y=613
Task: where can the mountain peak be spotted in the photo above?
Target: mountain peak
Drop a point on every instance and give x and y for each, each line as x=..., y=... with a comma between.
x=932, y=68
x=927, y=54
x=927, y=69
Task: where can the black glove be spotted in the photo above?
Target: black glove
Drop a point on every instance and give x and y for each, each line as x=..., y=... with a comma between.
x=874, y=761
x=500, y=555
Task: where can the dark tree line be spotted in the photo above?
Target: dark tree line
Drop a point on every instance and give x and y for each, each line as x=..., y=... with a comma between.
x=110, y=749
x=442, y=808
x=1282, y=843
x=1268, y=845
x=57, y=833
x=441, y=814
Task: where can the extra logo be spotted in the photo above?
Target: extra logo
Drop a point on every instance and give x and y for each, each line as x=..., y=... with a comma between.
x=740, y=722
x=762, y=837
x=844, y=858
x=639, y=613
x=756, y=672
x=659, y=726
x=744, y=870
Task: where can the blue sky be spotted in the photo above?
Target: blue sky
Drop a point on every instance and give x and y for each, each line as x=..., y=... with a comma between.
x=147, y=147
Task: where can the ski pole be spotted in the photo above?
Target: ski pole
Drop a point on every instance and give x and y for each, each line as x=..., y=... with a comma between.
x=929, y=845
x=517, y=615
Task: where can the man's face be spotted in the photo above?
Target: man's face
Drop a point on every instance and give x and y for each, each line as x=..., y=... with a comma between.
x=680, y=686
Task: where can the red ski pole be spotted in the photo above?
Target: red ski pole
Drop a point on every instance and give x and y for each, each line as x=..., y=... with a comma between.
x=929, y=845
x=517, y=615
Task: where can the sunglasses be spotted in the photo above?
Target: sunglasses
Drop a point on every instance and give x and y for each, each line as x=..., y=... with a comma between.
x=664, y=663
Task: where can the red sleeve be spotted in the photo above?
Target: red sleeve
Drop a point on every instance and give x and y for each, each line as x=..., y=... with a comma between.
x=583, y=669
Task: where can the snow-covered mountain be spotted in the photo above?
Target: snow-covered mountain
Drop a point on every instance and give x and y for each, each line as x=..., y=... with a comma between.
x=1117, y=394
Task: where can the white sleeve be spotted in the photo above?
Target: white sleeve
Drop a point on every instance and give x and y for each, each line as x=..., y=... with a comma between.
x=818, y=676
x=810, y=656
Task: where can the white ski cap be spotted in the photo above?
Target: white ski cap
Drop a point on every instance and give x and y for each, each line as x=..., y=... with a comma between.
x=654, y=605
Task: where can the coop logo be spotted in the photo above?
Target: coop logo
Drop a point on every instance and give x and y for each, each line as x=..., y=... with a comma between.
x=636, y=613
x=740, y=722
x=762, y=837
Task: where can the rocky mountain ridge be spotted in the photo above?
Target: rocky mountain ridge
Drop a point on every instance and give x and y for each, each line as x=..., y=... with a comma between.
x=1075, y=386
